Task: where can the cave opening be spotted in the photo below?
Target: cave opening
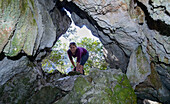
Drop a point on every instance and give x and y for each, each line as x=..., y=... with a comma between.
x=117, y=58
x=21, y=78
x=58, y=58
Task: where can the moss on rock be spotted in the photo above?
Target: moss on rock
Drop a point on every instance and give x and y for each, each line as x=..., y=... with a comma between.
x=46, y=95
x=19, y=27
x=139, y=67
x=141, y=60
x=105, y=87
x=123, y=91
x=154, y=78
x=17, y=90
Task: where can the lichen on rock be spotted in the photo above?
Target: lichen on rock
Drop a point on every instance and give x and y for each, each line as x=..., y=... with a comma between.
x=139, y=67
x=99, y=87
x=134, y=32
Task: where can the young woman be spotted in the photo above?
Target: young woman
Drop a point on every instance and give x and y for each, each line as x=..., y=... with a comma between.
x=82, y=55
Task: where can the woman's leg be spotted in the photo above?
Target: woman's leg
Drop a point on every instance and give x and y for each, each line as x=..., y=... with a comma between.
x=84, y=58
x=81, y=69
x=78, y=67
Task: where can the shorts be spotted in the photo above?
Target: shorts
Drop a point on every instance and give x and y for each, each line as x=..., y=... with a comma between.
x=84, y=58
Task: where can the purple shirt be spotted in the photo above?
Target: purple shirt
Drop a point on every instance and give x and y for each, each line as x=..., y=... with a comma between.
x=80, y=51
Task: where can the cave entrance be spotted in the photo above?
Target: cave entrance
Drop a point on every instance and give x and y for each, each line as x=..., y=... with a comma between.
x=82, y=36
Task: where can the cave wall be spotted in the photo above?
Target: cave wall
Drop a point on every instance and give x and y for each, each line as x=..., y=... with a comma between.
x=30, y=26
x=135, y=34
x=28, y=30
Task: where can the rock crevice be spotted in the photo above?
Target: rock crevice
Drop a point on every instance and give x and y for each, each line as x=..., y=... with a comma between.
x=135, y=35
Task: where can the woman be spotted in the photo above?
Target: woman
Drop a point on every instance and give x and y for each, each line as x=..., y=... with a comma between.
x=82, y=55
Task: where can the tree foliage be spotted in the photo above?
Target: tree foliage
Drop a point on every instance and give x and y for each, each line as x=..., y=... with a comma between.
x=96, y=58
x=58, y=59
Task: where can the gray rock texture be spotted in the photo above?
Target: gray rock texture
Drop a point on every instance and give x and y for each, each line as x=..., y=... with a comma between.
x=158, y=9
x=26, y=84
x=30, y=26
x=100, y=87
x=135, y=35
x=28, y=30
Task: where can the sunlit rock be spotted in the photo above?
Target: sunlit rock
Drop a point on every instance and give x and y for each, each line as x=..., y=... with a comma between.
x=101, y=86
x=135, y=34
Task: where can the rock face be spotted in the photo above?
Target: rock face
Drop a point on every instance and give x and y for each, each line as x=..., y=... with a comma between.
x=28, y=29
x=158, y=10
x=28, y=84
x=101, y=87
x=135, y=34
x=30, y=26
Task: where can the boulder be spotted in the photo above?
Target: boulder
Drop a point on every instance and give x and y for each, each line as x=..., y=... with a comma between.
x=100, y=87
x=135, y=35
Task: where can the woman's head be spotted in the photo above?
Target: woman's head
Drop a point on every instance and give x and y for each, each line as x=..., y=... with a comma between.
x=73, y=47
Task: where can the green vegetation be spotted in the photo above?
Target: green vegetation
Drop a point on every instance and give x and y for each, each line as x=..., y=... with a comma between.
x=58, y=59
x=141, y=61
x=95, y=48
x=107, y=87
x=123, y=91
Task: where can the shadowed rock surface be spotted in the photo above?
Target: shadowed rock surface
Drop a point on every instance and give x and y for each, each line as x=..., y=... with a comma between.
x=99, y=87
x=135, y=34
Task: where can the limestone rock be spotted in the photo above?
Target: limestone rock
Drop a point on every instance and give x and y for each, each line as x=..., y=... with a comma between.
x=158, y=9
x=135, y=34
x=17, y=81
x=25, y=83
x=29, y=26
x=8, y=21
x=110, y=21
x=124, y=26
x=11, y=67
x=109, y=86
x=156, y=88
x=66, y=83
x=117, y=27
x=27, y=32
x=146, y=101
x=139, y=67
x=114, y=57
x=22, y=31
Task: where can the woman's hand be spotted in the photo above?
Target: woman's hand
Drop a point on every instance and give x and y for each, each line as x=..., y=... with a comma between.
x=73, y=69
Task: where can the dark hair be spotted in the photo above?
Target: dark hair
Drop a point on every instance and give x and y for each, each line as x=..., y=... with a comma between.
x=73, y=43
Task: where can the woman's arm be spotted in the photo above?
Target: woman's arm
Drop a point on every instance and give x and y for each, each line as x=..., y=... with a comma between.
x=71, y=59
x=72, y=63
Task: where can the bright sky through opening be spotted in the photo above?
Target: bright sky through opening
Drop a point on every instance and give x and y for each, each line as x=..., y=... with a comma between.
x=81, y=32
